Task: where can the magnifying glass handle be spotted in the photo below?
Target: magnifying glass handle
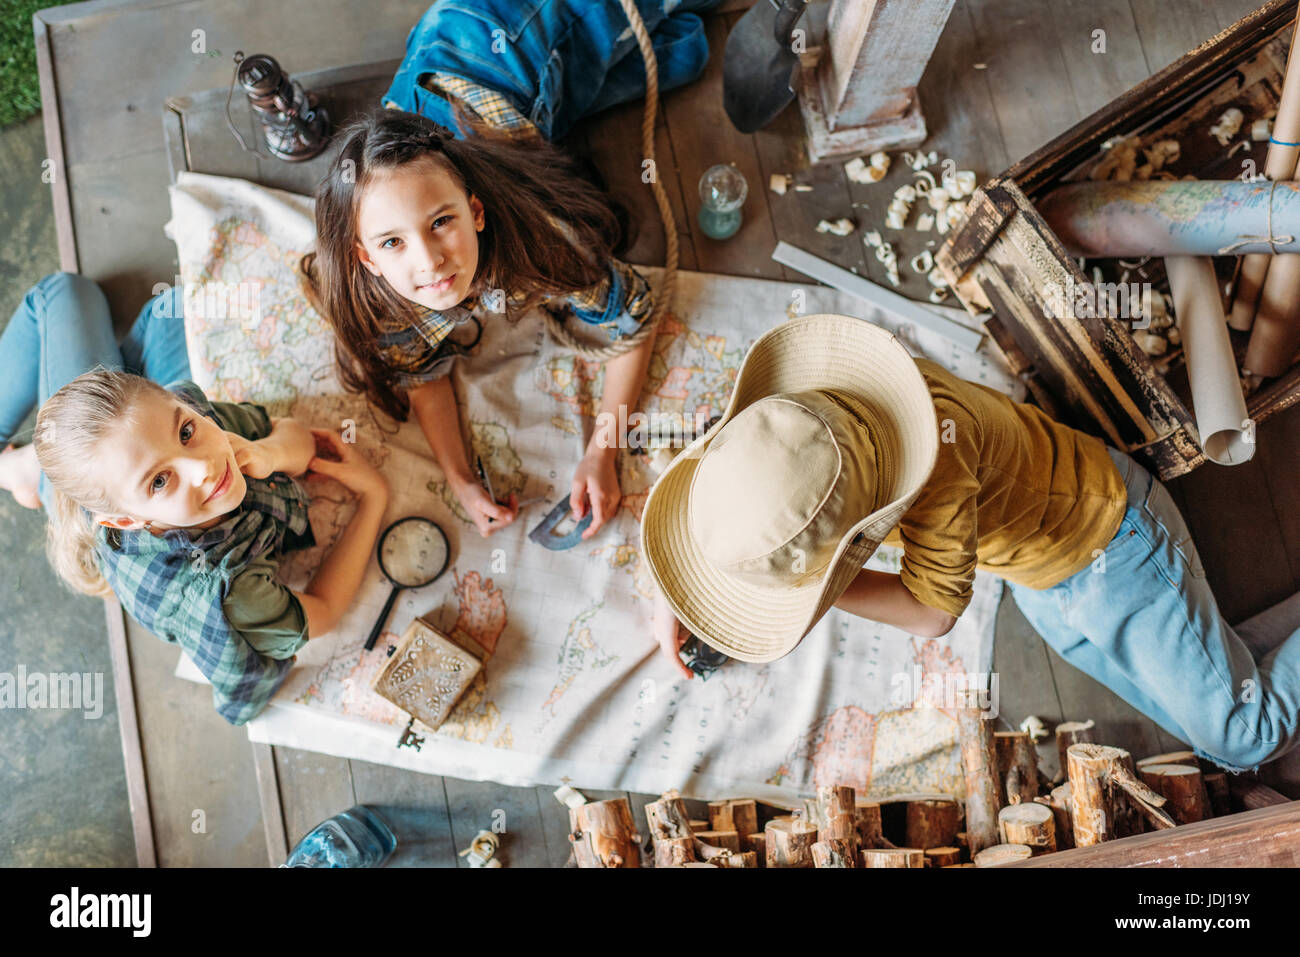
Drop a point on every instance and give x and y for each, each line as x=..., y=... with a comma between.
x=383, y=619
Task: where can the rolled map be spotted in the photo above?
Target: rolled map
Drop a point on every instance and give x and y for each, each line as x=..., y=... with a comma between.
x=1173, y=217
x=1227, y=434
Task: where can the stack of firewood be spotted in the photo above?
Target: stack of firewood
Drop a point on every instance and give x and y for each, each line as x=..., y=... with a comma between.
x=1012, y=812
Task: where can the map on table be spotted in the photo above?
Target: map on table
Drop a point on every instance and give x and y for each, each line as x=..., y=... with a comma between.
x=574, y=687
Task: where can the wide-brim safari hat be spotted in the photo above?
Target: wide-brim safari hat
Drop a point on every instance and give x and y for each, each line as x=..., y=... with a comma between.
x=756, y=528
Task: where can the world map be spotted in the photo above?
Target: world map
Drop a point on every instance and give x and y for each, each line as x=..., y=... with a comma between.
x=573, y=684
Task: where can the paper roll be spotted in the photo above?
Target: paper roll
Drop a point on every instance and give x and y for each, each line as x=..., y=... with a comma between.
x=1174, y=217
x=1227, y=434
x=1280, y=164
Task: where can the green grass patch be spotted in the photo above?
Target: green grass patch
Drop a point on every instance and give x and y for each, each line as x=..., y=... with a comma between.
x=20, y=90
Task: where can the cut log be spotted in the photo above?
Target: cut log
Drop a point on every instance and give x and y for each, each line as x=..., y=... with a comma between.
x=942, y=856
x=1073, y=732
x=743, y=859
x=893, y=857
x=932, y=823
x=1106, y=798
x=758, y=844
x=867, y=817
x=1062, y=813
x=1188, y=758
x=674, y=851
x=979, y=763
x=1216, y=787
x=789, y=843
x=837, y=817
x=698, y=825
x=1000, y=854
x=603, y=834
x=670, y=830
x=1017, y=766
x=833, y=853
x=667, y=817
x=1031, y=824
x=1181, y=785
x=737, y=814
x=727, y=840
x=720, y=818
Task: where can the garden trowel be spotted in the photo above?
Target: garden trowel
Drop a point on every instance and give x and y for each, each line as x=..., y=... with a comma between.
x=760, y=63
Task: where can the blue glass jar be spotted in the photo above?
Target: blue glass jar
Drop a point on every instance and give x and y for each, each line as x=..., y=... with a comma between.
x=357, y=837
x=722, y=193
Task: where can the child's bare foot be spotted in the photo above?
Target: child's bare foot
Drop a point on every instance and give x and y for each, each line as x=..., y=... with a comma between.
x=20, y=473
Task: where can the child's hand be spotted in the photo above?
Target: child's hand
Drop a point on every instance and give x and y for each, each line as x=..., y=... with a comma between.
x=341, y=461
x=670, y=634
x=253, y=458
x=489, y=517
x=596, y=479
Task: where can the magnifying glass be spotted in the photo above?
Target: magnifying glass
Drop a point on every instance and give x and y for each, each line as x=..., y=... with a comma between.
x=413, y=552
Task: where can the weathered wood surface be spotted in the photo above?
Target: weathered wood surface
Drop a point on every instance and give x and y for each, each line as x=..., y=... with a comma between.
x=108, y=128
x=1266, y=837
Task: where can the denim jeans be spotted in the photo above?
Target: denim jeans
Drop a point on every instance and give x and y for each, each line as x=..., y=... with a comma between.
x=1141, y=619
x=63, y=328
x=555, y=60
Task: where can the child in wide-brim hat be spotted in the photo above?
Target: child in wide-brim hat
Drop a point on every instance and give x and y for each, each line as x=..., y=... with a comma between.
x=836, y=440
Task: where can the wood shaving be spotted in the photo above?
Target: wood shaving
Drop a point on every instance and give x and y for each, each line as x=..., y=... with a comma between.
x=925, y=222
x=840, y=227
x=1228, y=125
x=1261, y=130
x=922, y=262
x=859, y=171
x=779, y=183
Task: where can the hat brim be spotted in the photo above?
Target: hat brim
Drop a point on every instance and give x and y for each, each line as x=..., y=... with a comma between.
x=755, y=623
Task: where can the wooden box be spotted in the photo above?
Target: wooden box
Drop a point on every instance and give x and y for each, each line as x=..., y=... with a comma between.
x=426, y=674
x=1089, y=372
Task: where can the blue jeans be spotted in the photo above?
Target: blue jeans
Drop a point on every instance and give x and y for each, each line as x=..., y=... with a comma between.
x=63, y=328
x=1141, y=619
x=555, y=60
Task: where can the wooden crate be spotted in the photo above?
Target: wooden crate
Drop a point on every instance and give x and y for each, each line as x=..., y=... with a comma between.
x=1088, y=371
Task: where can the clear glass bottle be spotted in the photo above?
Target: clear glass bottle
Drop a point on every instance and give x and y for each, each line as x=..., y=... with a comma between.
x=357, y=837
x=722, y=193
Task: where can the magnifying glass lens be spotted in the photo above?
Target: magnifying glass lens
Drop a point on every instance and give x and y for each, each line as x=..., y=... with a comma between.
x=413, y=553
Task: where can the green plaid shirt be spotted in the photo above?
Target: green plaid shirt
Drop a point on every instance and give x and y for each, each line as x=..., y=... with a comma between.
x=174, y=584
x=421, y=352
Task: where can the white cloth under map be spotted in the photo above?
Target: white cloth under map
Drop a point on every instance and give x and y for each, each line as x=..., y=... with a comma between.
x=575, y=687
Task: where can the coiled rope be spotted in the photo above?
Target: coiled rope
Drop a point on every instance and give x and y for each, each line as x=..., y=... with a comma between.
x=664, y=298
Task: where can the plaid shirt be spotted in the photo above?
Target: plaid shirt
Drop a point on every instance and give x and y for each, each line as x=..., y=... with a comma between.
x=421, y=352
x=174, y=584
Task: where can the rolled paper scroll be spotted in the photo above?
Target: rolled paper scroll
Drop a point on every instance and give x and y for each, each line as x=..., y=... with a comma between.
x=1280, y=164
x=1227, y=434
x=1174, y=217
x=1275, y=335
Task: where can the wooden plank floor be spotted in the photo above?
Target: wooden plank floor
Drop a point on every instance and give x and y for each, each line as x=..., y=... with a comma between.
x=1007, y=76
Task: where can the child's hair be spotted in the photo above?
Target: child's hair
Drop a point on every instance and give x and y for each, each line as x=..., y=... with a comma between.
x=69, y=428
x=521, y=184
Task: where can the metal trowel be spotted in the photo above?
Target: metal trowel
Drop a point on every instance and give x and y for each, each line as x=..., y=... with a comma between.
x=760, y=65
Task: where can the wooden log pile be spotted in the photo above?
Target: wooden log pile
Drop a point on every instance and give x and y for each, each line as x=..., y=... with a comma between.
x=1011, y=812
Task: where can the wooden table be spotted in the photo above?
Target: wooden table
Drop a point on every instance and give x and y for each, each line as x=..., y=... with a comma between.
x=1005, y=77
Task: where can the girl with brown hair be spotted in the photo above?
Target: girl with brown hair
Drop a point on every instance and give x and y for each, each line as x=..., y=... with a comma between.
x=425, y=226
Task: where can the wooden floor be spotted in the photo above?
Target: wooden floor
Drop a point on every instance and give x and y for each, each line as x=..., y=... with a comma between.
x=1007, y=76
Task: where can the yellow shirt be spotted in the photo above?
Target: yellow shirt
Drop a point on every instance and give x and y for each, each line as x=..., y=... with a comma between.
x=1012, y=492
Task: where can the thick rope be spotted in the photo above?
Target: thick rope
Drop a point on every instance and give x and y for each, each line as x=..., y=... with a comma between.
x=664, y=298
